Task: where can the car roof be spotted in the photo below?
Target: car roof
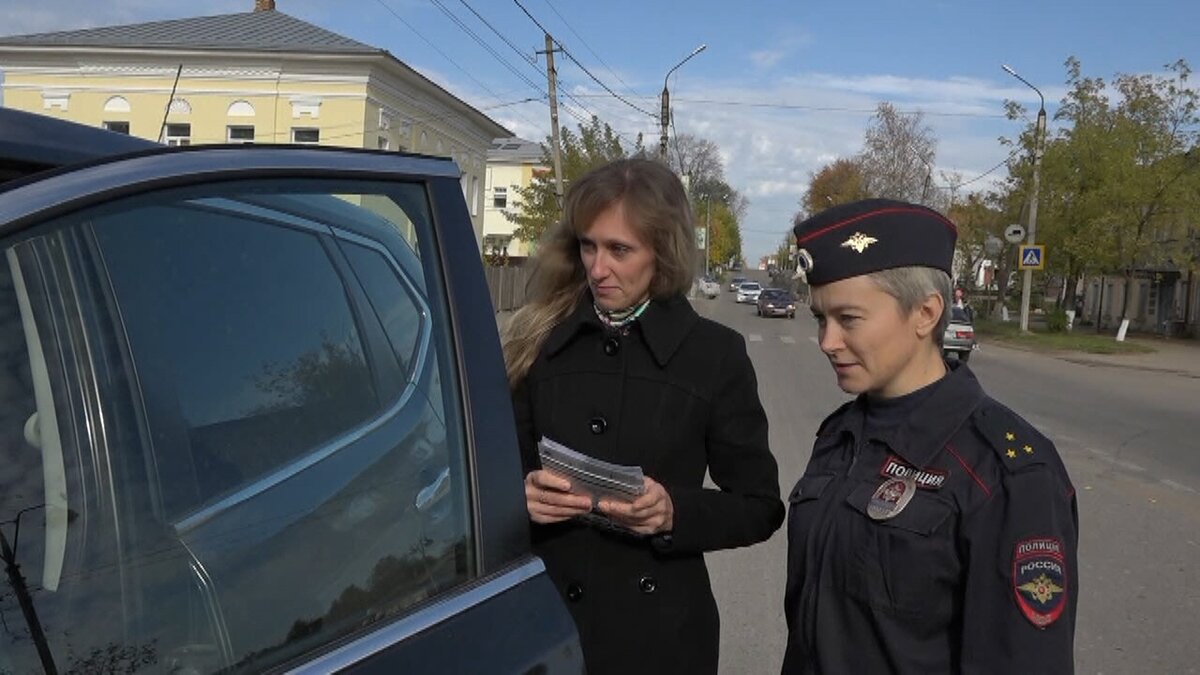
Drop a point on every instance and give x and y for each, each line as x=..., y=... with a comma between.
x=30, y=143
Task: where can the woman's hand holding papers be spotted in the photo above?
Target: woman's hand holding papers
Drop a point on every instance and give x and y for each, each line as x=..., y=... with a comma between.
x=651, y=513
x=550, y=500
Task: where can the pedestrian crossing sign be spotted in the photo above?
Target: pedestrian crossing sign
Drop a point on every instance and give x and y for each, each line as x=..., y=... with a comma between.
x=1033, y=257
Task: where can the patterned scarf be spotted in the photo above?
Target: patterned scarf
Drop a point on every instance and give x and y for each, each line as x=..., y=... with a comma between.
x=621, y=319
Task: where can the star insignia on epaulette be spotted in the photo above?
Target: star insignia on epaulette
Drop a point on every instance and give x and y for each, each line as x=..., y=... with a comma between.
x=1011, y=453
x=1029, y=450
x=1010, y=436
x=859, y=242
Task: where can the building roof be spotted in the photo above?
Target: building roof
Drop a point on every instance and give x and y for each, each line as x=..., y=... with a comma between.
x=515, y=150
x=256, y=31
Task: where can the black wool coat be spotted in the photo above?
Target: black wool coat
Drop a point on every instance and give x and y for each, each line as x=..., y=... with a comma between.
x=678, y=396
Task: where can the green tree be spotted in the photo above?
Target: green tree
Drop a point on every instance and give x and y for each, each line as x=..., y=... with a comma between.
x=1117, y=178
x=591, y=146
x=839, y=182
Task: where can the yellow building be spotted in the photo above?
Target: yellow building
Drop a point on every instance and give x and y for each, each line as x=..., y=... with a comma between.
x=511, y=164
x=261, y=76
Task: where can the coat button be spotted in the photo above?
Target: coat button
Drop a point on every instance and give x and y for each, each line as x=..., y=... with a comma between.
x=612, y=346
x=574, y=592
x=598, y=425
x=647, y=584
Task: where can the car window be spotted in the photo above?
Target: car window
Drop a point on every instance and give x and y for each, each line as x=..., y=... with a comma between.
x=231, y=433
x=959, y=314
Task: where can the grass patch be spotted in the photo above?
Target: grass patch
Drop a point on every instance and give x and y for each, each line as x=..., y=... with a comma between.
x=1081, y=340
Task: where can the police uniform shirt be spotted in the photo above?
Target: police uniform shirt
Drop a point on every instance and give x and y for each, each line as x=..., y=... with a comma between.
x=974, y=573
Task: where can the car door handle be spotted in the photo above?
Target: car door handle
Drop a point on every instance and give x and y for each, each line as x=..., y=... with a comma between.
x=432, y=493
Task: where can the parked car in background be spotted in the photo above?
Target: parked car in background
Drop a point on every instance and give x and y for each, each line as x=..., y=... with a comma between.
x=959, y=338
x=748, y=292
x=735, y=282
x=776, y=302
x=708, y=287
x=254, y=417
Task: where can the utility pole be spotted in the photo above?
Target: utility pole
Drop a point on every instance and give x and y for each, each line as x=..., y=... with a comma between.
x=707, y=230
x=552, y=76
x=1039, y=135
x=664, y=119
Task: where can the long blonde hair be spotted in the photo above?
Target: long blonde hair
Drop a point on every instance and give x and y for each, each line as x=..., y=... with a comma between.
x=656, y=204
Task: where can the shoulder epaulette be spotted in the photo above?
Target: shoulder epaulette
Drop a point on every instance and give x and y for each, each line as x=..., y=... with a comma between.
x=1015, y=441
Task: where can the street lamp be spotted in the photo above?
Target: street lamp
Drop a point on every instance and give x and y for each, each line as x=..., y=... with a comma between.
x=1038, y=139
x=666, y=105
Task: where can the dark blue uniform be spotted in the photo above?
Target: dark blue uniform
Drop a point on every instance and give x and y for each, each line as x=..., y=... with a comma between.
x=974, y=572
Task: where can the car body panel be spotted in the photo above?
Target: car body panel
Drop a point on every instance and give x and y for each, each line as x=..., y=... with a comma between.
x=959, y=336
x=708, y=287
x=748, y=292
x=540, y=636
x=776, y=302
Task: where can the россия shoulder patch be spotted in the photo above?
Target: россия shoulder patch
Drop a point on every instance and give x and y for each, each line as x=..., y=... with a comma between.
x=1039, y=579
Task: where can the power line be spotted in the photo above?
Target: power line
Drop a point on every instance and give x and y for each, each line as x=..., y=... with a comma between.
x=444, y=55
x=527, y=59
x=791, y=106
x=496, y=55
x=586, y=45
x=574, y=60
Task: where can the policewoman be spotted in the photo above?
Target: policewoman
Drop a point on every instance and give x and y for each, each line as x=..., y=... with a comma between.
x=934, y=530
x=608, y=357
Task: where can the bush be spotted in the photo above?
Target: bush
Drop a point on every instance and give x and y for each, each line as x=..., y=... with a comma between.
x=1056, y=321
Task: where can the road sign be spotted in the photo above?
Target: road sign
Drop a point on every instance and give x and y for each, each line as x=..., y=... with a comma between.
x=701, y=236
x=1033, y=257
x=1013, y=234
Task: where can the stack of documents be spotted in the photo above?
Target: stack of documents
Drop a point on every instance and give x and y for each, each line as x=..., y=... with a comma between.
x=592, y=477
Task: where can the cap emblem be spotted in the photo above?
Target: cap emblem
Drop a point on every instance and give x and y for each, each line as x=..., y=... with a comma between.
x=859, y=242
x=804, y=260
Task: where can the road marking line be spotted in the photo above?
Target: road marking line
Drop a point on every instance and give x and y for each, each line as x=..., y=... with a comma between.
x=755, y=337
x=1176, y=486
x=787, y=339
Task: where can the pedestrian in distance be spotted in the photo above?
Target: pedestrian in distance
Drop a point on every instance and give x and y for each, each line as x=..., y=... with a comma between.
x=608, y=358
x=934, y=530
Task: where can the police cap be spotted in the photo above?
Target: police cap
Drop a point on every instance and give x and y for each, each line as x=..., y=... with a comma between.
x=870, y=235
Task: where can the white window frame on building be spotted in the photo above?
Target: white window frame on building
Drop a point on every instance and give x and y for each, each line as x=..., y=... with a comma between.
x=383, y=143
x=500, y=197
x=239, y=133
x=177, y=133
x=117, y=126
x=306, y=135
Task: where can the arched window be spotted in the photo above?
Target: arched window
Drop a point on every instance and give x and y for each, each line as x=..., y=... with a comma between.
x=116, y=104
x=240, y=109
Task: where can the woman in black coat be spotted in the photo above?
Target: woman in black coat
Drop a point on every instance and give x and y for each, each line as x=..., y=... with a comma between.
x=609, y=358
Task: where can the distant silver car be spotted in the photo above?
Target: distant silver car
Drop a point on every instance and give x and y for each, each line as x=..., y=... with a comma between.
x=708, y=287
x=748, y=292
x=959, y=337
x=735, y=282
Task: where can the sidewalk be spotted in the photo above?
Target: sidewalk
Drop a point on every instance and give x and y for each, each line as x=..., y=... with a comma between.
x=1173, y=356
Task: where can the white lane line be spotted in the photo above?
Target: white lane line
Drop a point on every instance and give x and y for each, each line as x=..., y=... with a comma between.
x=1176, y=486
x=755, y=337
x=787, y=339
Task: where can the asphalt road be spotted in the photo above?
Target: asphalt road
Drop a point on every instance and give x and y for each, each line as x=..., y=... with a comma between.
x=1129, y=439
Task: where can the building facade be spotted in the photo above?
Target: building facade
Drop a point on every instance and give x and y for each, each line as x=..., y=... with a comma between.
x=253, y=77
x=511, y=164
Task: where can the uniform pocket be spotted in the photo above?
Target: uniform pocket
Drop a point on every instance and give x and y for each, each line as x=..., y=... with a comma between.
x=907, y=563
x=809, y=487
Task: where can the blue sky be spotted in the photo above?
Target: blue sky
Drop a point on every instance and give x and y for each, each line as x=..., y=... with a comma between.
x=782, y=88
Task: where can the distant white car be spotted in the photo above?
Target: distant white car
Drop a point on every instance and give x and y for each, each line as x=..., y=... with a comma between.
x=708, y=287
x=748, y=292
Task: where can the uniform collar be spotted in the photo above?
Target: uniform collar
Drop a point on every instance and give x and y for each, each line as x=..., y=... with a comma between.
x=663, y=326
x=934, y=422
